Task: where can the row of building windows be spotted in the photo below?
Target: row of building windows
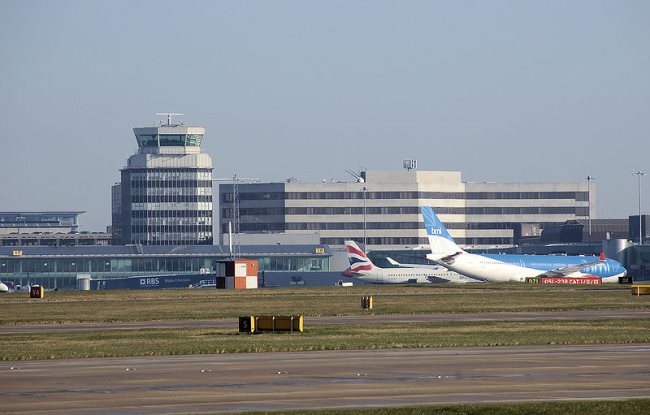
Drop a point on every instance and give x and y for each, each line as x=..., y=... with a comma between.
x=170, y=140
x=170, y=199
x=566, y=210
x=171, y=221
x=302, y=226
x=321, y=226
x=170, y=240
x=176, y=191
x=171, y=173
x=118, y=266
x=150, y=228
x=135, y=184
x=103, y=265
x=171, y=213
x=577, y=196
x=410, y=242
x=256, y=227
x=274, y=211
x=177, y=205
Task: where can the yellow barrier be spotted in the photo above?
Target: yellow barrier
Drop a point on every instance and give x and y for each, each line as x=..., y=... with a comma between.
x=366, y=302
x=256, y=324
x=247, y=324
x=36, y=291
x=641, y=289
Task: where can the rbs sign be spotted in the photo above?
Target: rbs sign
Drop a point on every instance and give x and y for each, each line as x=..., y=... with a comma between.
x=149, y=282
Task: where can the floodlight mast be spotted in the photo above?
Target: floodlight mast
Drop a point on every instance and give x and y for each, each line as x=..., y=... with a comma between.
x=589, y=179
x=639, y=174
x=235, y=211
x=360, y=179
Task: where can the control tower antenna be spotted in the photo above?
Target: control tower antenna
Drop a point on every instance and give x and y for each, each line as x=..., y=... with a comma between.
x=169, y=116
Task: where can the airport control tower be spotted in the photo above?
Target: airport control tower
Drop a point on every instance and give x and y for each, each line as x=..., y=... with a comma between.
x=165, y=195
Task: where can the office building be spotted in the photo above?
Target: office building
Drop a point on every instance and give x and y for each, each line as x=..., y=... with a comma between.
x=40, y=221
x=382, y=207
x=634, y=228
x=52, y=228
x=165, y=193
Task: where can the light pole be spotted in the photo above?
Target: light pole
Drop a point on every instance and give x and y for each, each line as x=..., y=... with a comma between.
x=364, y=218
x=639, y=174
x=589, y=179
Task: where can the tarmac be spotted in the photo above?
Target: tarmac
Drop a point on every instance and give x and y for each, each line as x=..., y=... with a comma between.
x=228, y=383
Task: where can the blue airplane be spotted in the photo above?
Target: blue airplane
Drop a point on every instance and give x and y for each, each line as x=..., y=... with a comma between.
x=507, y=267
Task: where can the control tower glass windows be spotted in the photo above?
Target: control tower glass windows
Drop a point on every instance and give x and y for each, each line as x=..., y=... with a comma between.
x=167, y=140
x=193, y=140
x=148, y=140
x=170, y=140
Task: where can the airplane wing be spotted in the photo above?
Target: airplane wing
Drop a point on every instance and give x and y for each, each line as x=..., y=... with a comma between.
x=564, y=271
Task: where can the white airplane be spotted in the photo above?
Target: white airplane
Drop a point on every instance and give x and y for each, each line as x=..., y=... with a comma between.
x=362, y=268
x=506, y=267
x=3, y=288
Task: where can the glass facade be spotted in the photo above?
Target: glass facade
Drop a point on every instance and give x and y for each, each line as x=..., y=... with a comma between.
x=169, y=140
x=62, y=272
x=167, y=206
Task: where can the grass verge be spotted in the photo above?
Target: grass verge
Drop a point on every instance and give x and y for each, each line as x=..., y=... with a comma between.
x=627, y=407
x=158, y=342
x=148, y=305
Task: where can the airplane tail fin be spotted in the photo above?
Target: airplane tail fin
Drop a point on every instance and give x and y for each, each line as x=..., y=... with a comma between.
x=442, y=244
x=359, y=262
x=392, y=261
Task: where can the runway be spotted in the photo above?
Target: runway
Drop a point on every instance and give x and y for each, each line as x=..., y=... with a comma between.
x=363, y=319
x=325, y=379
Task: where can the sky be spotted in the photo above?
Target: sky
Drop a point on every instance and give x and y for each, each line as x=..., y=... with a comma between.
x=505, y=91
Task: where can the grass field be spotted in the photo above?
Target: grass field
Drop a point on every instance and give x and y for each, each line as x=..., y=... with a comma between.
x=160, y=342
x=147, y=305
x=141, y=305
x=628, y=407
x=160, y=305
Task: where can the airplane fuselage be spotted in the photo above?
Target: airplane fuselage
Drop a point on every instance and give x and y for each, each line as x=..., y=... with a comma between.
x=516, y=268
x=408, y=276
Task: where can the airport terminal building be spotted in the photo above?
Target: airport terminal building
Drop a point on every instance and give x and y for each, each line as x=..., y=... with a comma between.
x=384, y=205
x=60, y=267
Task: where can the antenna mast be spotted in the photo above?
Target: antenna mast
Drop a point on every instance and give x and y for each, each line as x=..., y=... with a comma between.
x=169, y=116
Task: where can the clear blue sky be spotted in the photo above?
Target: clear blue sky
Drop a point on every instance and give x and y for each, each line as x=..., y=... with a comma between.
x=534, y=91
